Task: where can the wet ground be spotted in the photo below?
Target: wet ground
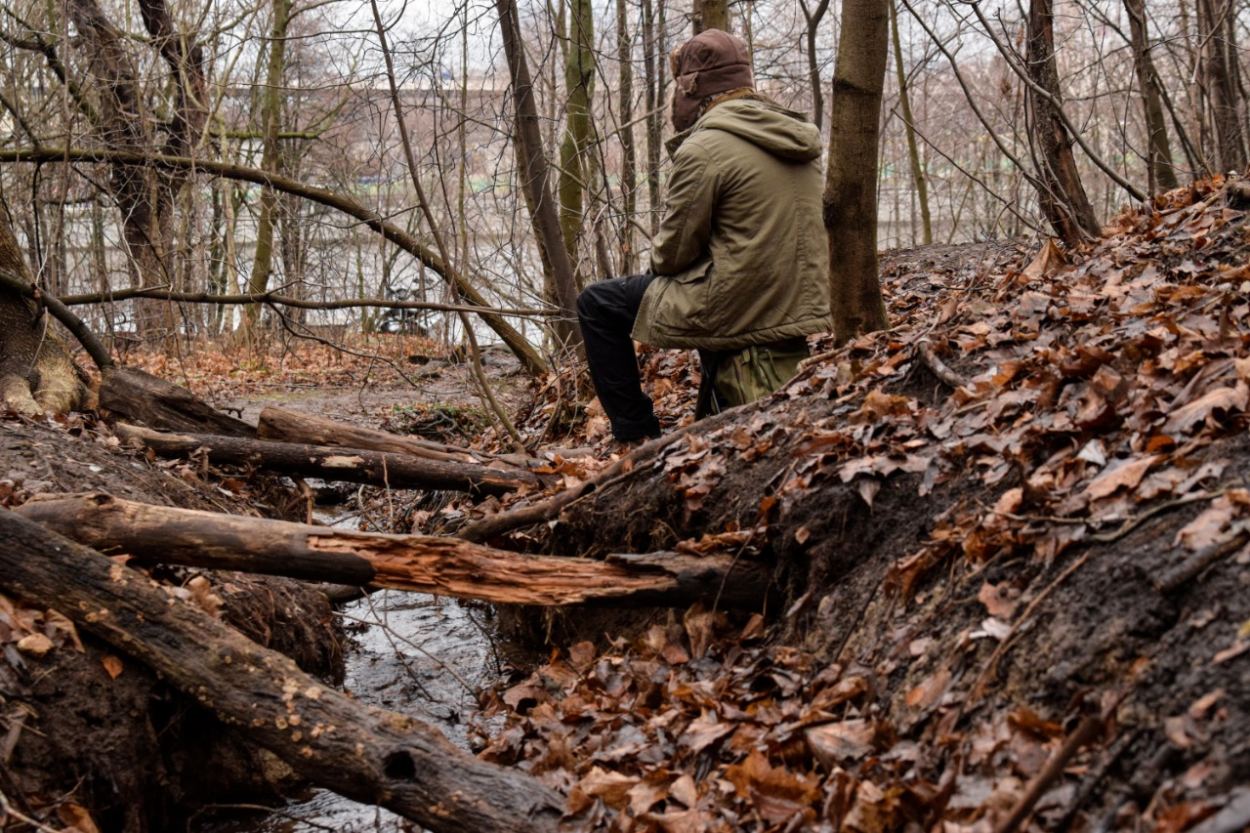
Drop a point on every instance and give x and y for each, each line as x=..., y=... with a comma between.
x=411, y=653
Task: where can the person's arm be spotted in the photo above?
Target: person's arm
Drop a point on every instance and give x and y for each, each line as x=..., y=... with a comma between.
x=687, y=224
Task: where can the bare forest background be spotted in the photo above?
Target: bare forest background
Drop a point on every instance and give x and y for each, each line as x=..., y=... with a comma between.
x=285, y=170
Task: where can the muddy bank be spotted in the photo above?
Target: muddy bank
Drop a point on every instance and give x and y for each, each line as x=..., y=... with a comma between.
x=85, y=727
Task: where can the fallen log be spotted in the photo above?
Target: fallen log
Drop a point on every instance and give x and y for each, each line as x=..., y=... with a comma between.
x=293, y=427
x=135, y=396
x=362, y=752
x=377, y=468
x=423, y=563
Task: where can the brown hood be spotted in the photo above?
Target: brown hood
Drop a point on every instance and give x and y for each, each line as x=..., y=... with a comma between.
x=709, y=63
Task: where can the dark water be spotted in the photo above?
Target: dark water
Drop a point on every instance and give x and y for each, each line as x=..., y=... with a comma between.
x=412, y=653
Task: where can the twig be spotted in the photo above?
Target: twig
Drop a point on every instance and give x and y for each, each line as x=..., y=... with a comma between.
x=1137, y=520
x=7, y=809
x=1083, y=734
x=938, y=367
x=1192, y=567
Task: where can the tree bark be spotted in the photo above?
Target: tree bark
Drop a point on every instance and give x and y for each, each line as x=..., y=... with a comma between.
x=138, y=396
x=293, y=427
x=653, y=60
x=353, y=465
x=535, y=177
x=271, y=118
x=710, y=14
x=1219, y=72
x=811, y=29
x=629, y=152
x=850, y=200
x=1062, y=196
x=360, y=751
x=419, y=563
x=146, y=196
x=37, y=374
x=1159, y=150
x=575, y=163
x=909, y=127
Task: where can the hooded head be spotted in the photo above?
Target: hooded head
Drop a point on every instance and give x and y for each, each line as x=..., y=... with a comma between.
x=711, y=62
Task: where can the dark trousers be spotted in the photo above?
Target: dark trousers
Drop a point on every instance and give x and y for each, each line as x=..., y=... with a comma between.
x=606, y=311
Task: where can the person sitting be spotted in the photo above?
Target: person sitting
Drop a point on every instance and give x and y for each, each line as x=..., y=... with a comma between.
x=739, y=266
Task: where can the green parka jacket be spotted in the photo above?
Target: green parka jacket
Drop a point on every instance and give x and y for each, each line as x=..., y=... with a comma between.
x=741, y=254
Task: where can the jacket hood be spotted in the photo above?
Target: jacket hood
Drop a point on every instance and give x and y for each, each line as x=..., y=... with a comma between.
x=784, y=133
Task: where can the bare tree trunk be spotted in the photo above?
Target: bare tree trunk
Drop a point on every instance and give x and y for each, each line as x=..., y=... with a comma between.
x=812, y=27
x=575, y=162
x=850, y=199
x=1159, y=153
x=710, y=14
x=271, y=118
x=913, y=152
x=629, y=153
x=1219, y=72
x=1062, y=195
x=534, y=177
x=146, y=197
x=652, y=67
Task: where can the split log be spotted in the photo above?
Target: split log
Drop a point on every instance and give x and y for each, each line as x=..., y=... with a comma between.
x=363, y=752
x=135, y=396
x=293, y=427
x=422, y=563
x=377, y=468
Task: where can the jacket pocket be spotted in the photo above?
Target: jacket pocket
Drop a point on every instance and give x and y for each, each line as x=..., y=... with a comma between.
x=694, y=273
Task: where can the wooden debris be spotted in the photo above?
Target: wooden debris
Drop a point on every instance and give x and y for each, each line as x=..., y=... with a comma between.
x=136, y=396
x=360, y=751
x=377, y=468
x=429, y=564
x=294, y=427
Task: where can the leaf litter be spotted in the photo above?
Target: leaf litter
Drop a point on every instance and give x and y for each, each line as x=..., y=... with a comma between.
x=1102, y=390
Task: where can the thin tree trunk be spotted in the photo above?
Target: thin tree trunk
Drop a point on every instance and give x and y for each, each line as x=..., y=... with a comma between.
x=1062, y=196
x=850, y=199
x=271, y=119
x=575, y=162
x=629, y=153
x=535, y=179
x=652, y=67
x=1159, y=153
x=710, y=14
x=913, y=152
x=811, y=30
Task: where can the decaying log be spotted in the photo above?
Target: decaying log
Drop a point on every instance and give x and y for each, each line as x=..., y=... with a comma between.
x=424, y=563
x=360, y=751
x=354, y=465
x=294, y=427
x=135, y=396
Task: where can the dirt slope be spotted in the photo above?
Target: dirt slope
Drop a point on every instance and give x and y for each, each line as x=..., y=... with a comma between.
x=968, y=569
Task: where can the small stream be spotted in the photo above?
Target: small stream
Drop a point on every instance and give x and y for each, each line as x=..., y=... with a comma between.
x=412, y=653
